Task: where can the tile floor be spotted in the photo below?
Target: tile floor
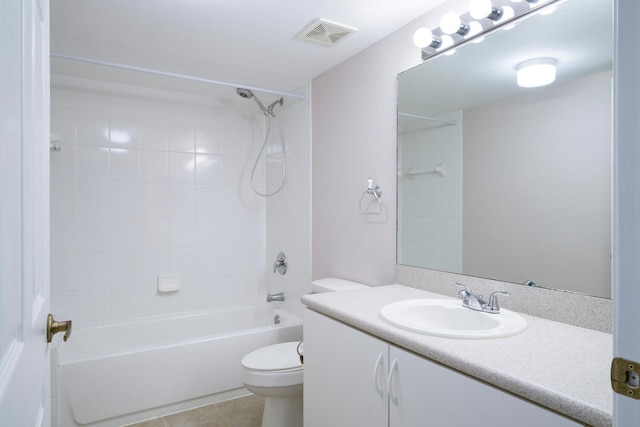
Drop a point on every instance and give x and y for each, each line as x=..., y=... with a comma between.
x=241, y=412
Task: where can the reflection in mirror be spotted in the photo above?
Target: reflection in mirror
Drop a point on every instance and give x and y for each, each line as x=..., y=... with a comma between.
x=505, y=182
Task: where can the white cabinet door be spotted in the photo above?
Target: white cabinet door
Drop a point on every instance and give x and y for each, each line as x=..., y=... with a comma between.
x=424, y=393
x=344, y=375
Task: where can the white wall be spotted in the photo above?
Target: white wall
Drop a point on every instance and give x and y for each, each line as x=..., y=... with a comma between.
x=149, y=183
x=354, y=137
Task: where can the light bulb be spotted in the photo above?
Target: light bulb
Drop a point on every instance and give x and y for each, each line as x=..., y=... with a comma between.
x=536, y=72
x=480, y=9
x=446, y=42
x=475, y=28
x=450, y=23
x=423, y=37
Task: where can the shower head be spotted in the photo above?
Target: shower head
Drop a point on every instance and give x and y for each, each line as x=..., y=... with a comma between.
x=246, y=93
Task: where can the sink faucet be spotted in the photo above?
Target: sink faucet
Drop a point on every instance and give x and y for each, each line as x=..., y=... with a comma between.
x=476, y=302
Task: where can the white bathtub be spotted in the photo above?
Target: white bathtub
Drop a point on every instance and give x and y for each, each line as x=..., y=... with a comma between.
x=123, y=373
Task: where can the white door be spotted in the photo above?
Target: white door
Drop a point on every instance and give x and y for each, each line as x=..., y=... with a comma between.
x=626, y=206
x=24, y=213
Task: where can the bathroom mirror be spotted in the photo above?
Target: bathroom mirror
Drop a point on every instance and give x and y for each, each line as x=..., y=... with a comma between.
x=512, y=183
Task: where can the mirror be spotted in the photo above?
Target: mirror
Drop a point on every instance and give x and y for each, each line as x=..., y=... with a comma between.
x=512, y=183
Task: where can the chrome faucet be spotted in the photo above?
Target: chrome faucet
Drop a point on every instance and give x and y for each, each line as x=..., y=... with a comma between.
x=476, y=302
x=275, y=297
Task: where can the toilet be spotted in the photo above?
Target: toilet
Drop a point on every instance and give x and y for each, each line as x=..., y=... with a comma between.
x=275, y=371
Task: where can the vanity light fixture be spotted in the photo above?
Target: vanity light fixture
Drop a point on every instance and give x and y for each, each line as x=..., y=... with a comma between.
x=480, y=9
x=452, y=24
x=536, y=72
x=423, y=37
x=488, y=16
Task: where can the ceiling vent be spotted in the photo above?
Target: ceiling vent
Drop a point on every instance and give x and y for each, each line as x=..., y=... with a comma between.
x=326, y=33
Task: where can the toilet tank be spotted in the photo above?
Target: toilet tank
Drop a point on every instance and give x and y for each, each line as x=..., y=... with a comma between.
x=334, y=284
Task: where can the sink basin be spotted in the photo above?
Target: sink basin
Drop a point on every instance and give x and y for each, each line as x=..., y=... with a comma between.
x=448, y=318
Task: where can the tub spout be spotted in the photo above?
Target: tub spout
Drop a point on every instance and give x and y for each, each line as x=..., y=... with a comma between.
x=275, y=297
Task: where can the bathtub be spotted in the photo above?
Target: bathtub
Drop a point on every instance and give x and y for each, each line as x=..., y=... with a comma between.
x=123, y=373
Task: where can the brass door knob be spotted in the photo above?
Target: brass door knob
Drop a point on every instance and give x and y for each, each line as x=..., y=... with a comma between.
x=53, y=327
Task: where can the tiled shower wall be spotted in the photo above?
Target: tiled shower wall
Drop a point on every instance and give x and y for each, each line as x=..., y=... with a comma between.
x=149, y=183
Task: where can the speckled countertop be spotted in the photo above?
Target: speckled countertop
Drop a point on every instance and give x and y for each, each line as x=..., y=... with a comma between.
x=559, y=366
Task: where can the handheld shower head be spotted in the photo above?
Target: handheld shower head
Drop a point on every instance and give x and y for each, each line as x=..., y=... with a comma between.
x=247, y=94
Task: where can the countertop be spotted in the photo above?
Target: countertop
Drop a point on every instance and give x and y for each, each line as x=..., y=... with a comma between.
x=562, y=367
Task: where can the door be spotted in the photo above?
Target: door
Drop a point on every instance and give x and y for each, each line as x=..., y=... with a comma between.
x=24, y=213
x=626, y=203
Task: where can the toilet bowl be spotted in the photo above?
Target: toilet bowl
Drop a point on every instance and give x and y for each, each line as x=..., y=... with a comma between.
x=275, y=371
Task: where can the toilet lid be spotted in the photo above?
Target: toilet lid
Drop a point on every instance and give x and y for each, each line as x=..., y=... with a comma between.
x=276, y=357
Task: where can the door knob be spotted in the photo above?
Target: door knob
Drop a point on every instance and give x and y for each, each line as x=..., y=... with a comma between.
x=53, y=327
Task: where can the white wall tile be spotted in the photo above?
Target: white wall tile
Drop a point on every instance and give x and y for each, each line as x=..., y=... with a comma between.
x=93, y=163
x=93, y=234
x=63, y=163
x=124, y=234
x=125, y=302
x=92, y=128
x=124, y=130
x=154, y=133
x=124, y=165
x=154, y=263
x=63, y=235
x=64, y=124
x=125, y=268
x=181, y=168
x=154, y=166
x=93, y=270
x=63, y=199
x=182, y=200
x=207, y=231
x=124, y=199
x=182, y=136
x=207, y=200
x=182, y=232
x=207, y=138
x=154, y=233
x=93, y=199
x=207, y=169
x=154, y=200
x=95, y=306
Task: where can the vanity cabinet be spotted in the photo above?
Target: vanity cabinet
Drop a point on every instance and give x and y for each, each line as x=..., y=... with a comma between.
x=352, y=379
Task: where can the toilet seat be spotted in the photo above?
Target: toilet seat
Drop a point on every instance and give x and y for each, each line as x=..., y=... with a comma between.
x=276, y=365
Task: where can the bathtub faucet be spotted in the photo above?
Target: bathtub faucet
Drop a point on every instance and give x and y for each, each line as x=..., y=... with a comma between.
x=275, y=297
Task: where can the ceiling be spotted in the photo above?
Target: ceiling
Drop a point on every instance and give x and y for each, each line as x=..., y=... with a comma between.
x=246, y=42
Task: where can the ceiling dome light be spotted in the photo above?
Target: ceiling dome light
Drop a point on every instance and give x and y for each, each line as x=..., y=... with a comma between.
x=480, y=9
x=452, y=24
x=423, y=37
x=536, y=72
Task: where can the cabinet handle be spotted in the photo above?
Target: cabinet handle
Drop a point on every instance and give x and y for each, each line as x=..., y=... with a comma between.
x=376, y=375
x=392, y=396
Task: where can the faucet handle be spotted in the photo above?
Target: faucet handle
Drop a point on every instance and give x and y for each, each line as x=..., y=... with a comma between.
x=492, y=306
x=464, y=292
